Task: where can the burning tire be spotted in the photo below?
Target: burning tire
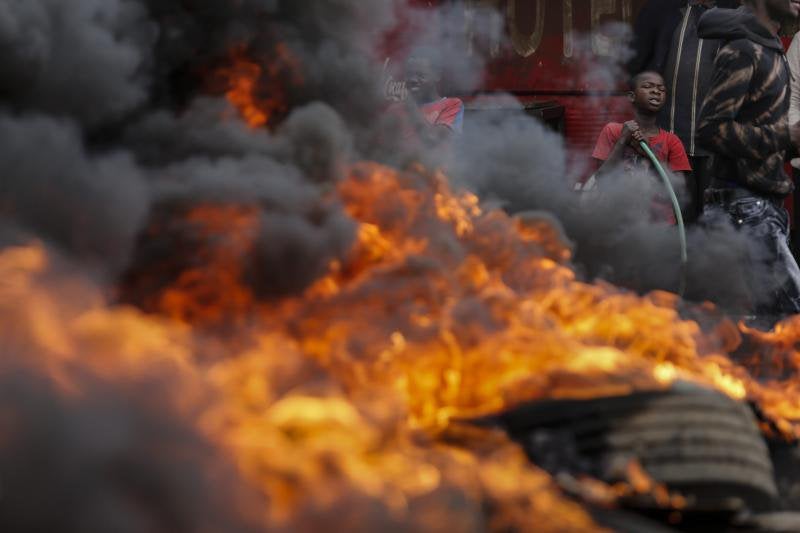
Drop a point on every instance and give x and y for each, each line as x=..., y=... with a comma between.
x=699, y=443
x=786, y=459
x=770, y=523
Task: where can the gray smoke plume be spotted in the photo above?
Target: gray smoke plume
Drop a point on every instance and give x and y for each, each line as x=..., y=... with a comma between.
x=515, y=162
x=126, y=83
x=110, y=129
x=109, y=460
x=87, y=60
x=518, y=164
x=91, y=206
x=106, y=108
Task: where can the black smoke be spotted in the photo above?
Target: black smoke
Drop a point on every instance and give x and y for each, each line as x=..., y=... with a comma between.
x=111, y=113
x=513, y=161
x=113, y=129
x=106, y=459
x=110, y=116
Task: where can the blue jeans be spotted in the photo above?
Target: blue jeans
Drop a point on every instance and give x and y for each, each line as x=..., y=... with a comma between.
x=773, y=274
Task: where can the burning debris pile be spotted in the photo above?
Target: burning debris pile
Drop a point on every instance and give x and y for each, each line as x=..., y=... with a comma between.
x=210, y=325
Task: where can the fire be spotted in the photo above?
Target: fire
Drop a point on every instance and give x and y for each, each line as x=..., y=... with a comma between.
x=244, y=81
x=349, y=400
x=313, y=449
x=498, y=317
x=257, y=88
x=193, y=297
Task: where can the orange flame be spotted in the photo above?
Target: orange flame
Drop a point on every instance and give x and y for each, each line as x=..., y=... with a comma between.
x=341, y=402
x=244, y=81
x=257, y=89
x=315, y=451
x=195, y=296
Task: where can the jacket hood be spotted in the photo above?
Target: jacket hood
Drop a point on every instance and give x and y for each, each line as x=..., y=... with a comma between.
x=732, y=24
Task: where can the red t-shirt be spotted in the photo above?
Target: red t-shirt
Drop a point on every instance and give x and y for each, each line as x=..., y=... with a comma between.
x=444, y=112
x=666, y=146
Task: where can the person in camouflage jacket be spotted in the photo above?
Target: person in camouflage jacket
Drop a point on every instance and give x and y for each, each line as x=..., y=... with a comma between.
x=744, y=123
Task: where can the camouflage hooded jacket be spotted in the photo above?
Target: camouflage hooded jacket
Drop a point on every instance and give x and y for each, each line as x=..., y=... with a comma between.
x=744, y=118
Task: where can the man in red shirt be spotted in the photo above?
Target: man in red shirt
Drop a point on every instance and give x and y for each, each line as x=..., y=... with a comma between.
x=426, y=115
x=618, y=147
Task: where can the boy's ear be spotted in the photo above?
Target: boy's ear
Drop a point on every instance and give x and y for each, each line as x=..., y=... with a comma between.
x=631, y=96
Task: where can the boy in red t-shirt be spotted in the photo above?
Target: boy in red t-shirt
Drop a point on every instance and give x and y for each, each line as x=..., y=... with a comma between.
x=618, y=145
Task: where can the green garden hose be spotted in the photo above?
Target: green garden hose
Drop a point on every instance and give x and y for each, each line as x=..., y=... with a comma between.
x=678, y=216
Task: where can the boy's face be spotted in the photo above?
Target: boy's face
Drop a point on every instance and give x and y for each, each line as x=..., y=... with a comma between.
x=421, y=79
x=650, y=93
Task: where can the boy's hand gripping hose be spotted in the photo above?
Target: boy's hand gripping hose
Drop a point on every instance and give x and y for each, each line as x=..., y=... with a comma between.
x=678, y=216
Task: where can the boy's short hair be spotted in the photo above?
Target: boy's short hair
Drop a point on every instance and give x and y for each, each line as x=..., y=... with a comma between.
x=633, y=82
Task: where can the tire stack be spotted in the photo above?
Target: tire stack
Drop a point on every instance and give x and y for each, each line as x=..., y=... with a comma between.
x=697, y=442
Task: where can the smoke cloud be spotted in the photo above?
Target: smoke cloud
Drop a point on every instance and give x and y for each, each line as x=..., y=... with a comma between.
x=515, y=162
x=111, y=131
x=85, y=60
x=118, y=460
x=116, y=93
x=91, y=206
x=114, y=129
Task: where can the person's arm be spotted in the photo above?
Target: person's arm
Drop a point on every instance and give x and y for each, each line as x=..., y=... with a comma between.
x=413, y=115
x=719, y=129
x=793, y=58
x=423, y=129
x=610, y=152
x=452, y=116
x=613, y=161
